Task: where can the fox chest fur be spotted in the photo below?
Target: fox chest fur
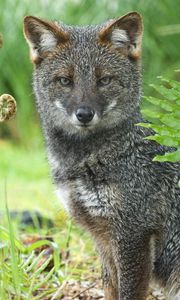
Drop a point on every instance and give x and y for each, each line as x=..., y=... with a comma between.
x=83, y=196
x=86, y=189
x=106, y=182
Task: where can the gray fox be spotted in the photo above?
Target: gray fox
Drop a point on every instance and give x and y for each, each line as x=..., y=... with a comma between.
x=87, y=83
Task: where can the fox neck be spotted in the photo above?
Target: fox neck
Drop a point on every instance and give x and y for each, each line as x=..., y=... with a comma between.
x=64, y=146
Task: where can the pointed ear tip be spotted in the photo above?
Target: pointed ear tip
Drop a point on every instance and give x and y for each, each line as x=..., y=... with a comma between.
x=31, y=18
x=131, y=16
x=26, y=23
x=27, y=19
x=138, y=17
x=135, y=15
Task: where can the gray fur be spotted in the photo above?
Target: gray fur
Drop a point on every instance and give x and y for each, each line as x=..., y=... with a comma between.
x=111, y=186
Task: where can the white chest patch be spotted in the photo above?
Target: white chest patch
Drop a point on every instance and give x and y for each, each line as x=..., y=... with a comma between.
x=73, y=194
x=86, y=196
x=77, y=194
x=63, y=192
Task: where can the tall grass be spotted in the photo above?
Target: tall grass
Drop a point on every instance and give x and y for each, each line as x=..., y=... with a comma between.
x=160, y=55
x=37, y=264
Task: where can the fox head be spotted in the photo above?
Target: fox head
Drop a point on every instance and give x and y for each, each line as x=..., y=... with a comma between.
x=86, y=78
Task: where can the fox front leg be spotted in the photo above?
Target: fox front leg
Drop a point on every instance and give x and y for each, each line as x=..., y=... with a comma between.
x=110, y=292
x=109, y=270
x=110, y=282
x=133, y=261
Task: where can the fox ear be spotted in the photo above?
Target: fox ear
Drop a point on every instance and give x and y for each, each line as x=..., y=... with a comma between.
x=124, y=33
x=42, y=36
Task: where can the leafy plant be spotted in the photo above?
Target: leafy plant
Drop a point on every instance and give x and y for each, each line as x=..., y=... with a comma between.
x=165, y=116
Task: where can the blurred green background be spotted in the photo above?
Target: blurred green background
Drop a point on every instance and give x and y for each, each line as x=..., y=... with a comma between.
x=22, y=157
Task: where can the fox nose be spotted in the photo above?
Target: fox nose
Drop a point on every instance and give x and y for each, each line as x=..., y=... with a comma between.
x=84, y=114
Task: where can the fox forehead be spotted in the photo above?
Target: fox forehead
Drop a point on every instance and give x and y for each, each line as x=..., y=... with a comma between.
x=80, y=33
x=82, y=59
x=84, y=53
x=76, y=60
x=83, y=41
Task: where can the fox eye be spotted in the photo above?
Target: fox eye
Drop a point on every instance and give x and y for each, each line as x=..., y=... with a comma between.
x=104, y=81
x=64, y=81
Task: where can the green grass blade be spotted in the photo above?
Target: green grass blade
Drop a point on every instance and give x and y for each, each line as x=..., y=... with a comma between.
x=14, y=257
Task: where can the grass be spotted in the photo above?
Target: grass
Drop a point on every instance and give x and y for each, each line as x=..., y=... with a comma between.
x=28, y=181
x=39, y=269
x=36, y=263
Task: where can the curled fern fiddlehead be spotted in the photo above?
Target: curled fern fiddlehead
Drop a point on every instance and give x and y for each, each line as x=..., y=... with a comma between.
x=7, y=107
x=7, y=102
